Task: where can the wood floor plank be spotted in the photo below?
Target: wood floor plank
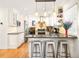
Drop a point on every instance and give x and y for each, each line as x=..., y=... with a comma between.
x=21, y=52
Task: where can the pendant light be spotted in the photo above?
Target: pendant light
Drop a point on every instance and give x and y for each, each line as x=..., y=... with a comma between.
x=36, y=12
x=45, y=13
x=54, y=11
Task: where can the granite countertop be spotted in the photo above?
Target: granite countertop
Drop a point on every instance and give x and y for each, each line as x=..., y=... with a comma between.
x=14, y=33
x=51, y=36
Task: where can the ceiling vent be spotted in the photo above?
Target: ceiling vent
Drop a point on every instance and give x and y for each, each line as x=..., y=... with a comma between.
x=45, y=0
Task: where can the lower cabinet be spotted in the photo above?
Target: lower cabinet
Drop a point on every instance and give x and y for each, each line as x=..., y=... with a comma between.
x=13, y=41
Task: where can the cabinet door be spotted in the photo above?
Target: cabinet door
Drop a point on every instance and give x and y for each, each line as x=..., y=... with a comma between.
x=50, y=49
x=20, y=38
x=36, y=50
x=3, y=29
x=13, y=41
x=3, y=37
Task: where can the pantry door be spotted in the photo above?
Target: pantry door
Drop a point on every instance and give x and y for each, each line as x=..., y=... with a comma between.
x=3, y=29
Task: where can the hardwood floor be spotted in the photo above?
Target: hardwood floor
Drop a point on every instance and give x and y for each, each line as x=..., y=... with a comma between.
x=21, y=52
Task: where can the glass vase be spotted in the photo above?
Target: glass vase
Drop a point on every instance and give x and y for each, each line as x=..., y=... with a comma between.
x=66, y=33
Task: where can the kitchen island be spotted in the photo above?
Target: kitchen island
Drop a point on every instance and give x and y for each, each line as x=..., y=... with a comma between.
x=51, y=46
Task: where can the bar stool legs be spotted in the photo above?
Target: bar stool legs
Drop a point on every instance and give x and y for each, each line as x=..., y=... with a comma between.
x=63, y=50
x=50, y=49
x=36, y=49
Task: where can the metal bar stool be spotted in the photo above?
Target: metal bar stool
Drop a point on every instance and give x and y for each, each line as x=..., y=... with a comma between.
x=63, y=49
x=36, y=49
x=50, y=49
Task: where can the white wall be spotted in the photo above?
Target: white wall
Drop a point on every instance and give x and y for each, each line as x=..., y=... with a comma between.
x=3, y=28
x=76, y=48
x=72, y=14
x=7, y=18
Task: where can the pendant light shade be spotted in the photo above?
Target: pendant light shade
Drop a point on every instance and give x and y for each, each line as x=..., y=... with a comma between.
x=36, y=12
x=54, y=11
x=45, y=13
x=44, y=10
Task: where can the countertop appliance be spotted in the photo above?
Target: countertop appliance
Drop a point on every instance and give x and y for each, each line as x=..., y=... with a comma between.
x=56, y=30
x=32, y=30
x=41, y=31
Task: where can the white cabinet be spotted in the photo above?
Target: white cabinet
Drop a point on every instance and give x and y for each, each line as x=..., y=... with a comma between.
x=13, y=41
x=20, y=38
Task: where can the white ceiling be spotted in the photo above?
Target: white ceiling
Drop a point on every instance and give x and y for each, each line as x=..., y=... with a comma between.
x=29, y=6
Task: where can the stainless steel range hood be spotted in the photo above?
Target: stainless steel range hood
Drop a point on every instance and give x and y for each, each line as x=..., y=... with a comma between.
x=45, y=0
